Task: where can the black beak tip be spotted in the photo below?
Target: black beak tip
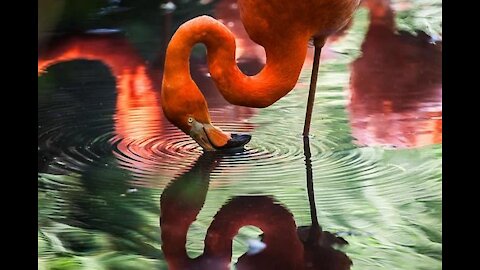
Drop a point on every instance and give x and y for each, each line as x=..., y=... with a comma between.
x=236, y=142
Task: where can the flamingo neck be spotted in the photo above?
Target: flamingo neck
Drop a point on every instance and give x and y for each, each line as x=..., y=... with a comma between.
x=283, y=65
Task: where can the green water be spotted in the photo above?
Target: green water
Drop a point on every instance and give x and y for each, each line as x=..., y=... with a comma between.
x=100, y=209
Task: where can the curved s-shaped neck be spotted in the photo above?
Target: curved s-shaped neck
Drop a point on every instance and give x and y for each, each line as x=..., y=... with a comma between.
x=279, y=76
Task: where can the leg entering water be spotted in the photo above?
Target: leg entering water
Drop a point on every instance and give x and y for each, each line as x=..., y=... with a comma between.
x=318, y=42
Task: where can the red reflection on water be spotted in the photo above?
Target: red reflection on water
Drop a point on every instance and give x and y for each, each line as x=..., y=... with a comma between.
x=286, y=246
x=135, y=92
x=138, y=111
x=396, y=85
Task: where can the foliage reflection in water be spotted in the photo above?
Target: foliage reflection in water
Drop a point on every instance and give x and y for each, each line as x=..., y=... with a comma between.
x=106, y=153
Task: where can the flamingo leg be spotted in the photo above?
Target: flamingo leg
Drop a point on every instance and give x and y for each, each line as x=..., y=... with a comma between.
x=313, y=85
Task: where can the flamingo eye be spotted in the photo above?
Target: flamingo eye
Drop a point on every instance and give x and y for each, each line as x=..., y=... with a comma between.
x=190, y=120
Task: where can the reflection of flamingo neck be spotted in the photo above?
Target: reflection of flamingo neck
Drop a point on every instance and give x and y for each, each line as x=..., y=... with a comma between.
x=277, y=224
x=180, y=204
x=277, y=78
x=182, y=201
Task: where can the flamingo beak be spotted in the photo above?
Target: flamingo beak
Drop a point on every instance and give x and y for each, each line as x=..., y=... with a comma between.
x=212, y=138
x=236, y=141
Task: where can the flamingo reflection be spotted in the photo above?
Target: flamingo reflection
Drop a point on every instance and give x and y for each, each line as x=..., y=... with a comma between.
x=396, y=85
x=286, y=246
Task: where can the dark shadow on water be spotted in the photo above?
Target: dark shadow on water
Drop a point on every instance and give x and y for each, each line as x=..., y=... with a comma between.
x=287, y=247
x=396, y=83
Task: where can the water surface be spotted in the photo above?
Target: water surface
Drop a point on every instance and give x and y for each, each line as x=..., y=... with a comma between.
x=108, y=157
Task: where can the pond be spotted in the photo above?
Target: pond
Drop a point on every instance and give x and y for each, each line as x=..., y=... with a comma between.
x=118, y=184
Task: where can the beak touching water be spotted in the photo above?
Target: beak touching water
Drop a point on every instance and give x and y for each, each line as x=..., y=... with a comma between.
x=212, y=138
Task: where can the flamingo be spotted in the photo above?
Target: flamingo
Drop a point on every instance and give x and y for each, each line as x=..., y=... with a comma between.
x=138, y=117
x=283, y=28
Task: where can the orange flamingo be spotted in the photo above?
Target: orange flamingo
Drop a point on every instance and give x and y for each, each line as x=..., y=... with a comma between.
x=286, y=245
x=397, y=82
x=282, y=27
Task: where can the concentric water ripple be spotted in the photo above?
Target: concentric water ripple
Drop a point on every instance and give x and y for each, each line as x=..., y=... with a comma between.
x=164, y=153
x=72, y=147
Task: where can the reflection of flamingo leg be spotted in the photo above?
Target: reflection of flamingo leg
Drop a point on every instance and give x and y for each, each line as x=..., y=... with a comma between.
x=315, y=230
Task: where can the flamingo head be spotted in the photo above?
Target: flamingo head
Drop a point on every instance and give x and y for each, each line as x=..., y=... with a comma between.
x=192, y=117
x=213, y=138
